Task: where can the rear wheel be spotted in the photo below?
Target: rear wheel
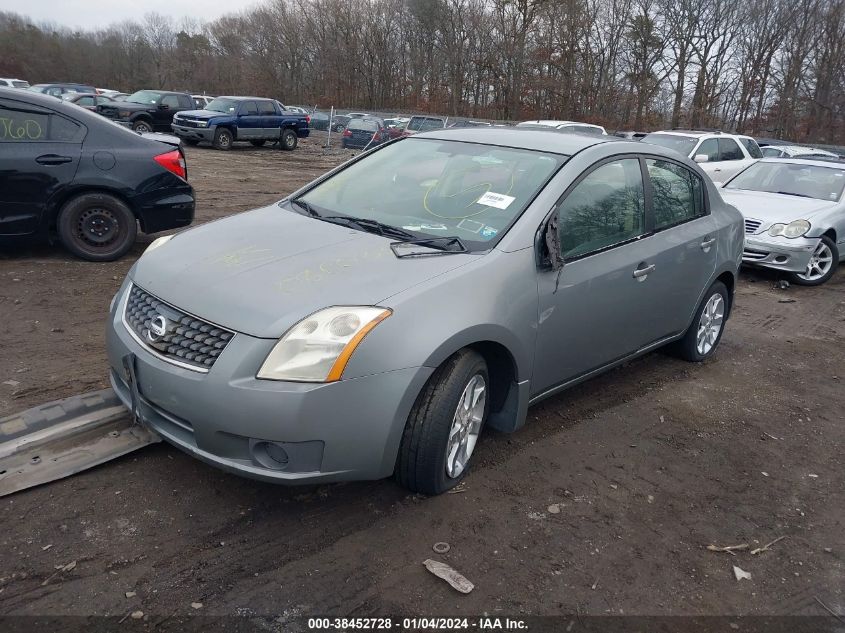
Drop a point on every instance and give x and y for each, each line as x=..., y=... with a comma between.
x=258, y=143
x=142, y=126
x=443, y=428
x=703, y=336
x=823, y=264
x=223, y=139
x=97, y=227
x=289, y=139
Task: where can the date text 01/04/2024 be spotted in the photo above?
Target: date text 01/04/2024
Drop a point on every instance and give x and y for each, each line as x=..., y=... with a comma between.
x=417, y=624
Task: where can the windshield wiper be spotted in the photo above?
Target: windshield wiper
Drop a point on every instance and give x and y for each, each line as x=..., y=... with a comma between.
x=307, y=207
x=792, y=193
x=371, y=226
x=442, y=245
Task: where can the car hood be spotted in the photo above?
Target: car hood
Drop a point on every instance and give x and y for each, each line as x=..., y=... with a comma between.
x=774, y=207
x=261, y=272
x=201, y=114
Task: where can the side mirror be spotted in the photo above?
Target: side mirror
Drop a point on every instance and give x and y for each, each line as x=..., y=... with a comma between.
x=701, y=158
x=547, y=244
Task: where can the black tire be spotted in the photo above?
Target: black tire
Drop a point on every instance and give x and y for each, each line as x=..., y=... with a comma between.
x=190, y=142
x=223, y=139
x=422, y=462
x=289, y=140
x=687, y=347
x=142, y=126
x=97, y=227
x=834, y=264
x=258, y=143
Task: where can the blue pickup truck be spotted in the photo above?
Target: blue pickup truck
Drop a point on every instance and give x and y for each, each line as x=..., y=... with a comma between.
x=229, y=119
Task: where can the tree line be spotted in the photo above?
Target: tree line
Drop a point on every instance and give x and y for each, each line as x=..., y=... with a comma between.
x=764, y=67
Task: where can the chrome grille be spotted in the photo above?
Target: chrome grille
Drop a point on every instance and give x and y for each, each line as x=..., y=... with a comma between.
x=751, y=226
x=178, y=337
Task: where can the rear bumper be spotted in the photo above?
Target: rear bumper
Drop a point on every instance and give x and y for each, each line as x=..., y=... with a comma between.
x=167, y=208
x=303, y=132
x=193, y=133
x=779, y=253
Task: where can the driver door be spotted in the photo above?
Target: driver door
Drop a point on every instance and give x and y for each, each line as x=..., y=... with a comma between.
x=592, y=310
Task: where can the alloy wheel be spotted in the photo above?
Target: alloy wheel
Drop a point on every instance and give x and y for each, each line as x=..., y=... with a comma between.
x=466, y=425
x=820, y=263
x=710, y=324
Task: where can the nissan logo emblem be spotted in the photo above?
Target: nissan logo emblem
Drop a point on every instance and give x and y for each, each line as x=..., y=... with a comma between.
x=158, y=328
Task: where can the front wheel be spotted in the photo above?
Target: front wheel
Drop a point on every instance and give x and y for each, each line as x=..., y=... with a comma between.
x=289, y=139
x=443, y=428
x=222, y=139
x=703, y=336
x=822, y=265
x=97, y=227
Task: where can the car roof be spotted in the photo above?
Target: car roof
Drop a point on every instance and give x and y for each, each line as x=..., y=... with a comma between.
x=538, y=140
x=797, y=160
x=234, y=98
x=801, y=149
x=554, y=122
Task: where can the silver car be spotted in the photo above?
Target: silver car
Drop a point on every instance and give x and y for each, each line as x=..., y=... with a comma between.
x=375, y=320
x=794, y=213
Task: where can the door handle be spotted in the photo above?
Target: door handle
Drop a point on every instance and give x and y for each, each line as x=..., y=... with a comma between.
x=52, y=159
x=641, y=273
x=707, y=243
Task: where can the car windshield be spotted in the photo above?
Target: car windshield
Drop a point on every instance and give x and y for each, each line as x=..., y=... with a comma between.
x=435, y=188
x=145, y=97
x=226, y=106
x=367, y=125
x=681, y=144
x=803, y=180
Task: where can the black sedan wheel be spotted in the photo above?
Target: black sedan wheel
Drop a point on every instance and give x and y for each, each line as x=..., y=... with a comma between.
x=97, y=227
x=142, y=126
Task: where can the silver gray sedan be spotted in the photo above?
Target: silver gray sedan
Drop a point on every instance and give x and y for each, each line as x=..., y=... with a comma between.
x=373, y=322
x=794, y=212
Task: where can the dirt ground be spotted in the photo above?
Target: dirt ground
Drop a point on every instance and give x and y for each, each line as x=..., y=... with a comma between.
x=603, y=504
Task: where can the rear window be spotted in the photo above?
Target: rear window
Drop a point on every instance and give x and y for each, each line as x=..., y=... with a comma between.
x=752, y=147
x=20, y=84
x=679, y=143
x=424, y=124
x=367, y=125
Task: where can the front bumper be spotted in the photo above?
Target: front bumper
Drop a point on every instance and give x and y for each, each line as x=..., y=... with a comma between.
x=780, y=253
x=193, y=133
x=347, y=430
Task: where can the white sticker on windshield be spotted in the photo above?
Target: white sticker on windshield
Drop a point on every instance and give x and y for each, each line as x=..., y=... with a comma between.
x=498, y=200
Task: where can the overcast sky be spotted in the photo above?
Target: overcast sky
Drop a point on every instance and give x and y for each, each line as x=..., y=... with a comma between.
x=94, y=14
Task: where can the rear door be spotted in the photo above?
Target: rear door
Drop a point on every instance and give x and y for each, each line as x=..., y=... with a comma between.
x=39, y=155
x=685, y=235
x=167, y=106
x=271, y=121
x=249, y=122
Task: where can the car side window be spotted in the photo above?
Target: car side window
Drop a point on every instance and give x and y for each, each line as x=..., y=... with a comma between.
x=86, y=101
x=266, y=108
x=770, y=152
x=17, y=126
x=171, y=101
x=677, y=193
x=709, y=148
x=248, y=109
x=729, y=150
x=752, y=147
x=606, y=208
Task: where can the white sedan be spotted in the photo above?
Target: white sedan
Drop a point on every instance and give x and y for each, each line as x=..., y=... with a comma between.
x=794, y=212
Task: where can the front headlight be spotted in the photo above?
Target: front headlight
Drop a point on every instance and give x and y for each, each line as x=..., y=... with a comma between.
x=318, y=348
x=161, y=241
x=202, y=123
x=792, y=230
x=124, y=114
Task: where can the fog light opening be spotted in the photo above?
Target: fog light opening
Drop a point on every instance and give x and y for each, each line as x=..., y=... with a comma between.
x=781, y=259
x=270, y=455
